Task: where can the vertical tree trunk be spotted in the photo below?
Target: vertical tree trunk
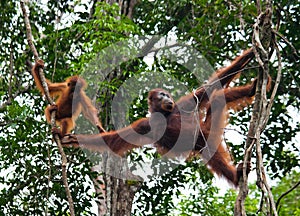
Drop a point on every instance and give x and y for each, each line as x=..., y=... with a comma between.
x=120, y=184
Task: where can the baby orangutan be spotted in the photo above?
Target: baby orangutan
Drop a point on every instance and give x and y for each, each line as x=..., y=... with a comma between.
x=70, y=101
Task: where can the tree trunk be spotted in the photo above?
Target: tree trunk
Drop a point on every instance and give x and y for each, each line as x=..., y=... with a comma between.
x=119, y=183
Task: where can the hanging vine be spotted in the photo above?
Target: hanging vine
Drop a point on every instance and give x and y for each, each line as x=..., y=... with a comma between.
x=50, y=101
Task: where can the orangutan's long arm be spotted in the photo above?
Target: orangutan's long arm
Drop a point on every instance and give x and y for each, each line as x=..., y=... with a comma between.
x=218, y=80
x=120, y=141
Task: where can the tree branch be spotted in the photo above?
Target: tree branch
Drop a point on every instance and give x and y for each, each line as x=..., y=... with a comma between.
x=286, y=193
x=11, y=70
x=287, y=42
x=46, y=90
x=262, y=39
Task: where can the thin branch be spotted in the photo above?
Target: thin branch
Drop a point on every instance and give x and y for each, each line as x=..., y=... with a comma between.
x=149, y=45
x=260, y=176
x=239, y=208
x=56, y=137
x=287, y=42
x=33, y=49
x=17, y=92
x=277, y=81
x=49, y=177
x=286, y=193
x=11, y=70
x=261, y=202
x=262, y=57
x=58, y=19
x=235, y=130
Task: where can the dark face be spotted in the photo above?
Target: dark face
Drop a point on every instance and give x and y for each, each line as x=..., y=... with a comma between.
x=72, y=86
x=160, y=100
x=75, y=83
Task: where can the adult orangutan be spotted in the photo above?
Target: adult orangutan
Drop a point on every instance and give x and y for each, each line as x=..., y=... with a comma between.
x=194, y=123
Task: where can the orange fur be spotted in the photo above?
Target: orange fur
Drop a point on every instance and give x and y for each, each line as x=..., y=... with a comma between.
x=179, y=131
x=71, y=100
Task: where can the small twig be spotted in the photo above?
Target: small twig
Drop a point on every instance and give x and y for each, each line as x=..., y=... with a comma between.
x=235, y=130
x=278, y=18
x=287, y=42
x=56, y=137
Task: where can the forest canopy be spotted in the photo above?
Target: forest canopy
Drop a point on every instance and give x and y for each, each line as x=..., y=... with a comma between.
x=126, y=48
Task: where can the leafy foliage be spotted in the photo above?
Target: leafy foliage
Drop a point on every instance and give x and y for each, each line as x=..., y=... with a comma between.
x=289, y=204
x=69, y=34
